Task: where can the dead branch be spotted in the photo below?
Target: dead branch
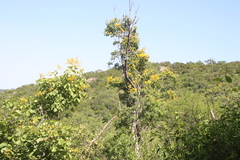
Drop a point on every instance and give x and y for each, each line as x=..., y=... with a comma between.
x=214, y=118
x=100, y=133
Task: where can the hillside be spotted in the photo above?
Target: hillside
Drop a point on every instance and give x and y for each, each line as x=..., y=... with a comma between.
x=202, y=91
x=196, y=77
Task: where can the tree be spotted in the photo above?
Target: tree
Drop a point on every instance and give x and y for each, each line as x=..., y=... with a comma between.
x=141, y=89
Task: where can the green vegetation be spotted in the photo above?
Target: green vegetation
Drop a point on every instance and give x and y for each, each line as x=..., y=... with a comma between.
x=136, y=110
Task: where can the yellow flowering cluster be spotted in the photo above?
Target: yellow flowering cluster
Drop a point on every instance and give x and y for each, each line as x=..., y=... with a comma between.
x=74, y=150
x=124, y=41
x=41, y=75
x=147, y=82
x=31, y=122
x=50, y=89
x=59, y=67
x=167, y=73
x=122, y=29
x=50, y=73
x=141, y=55
x=146, y=70
x=129, y=73
x=39, y=93
x=116, y=79
x=70, y=61
x=73, y=61
x=119, y=26
x=109, y=79
x=72, y=78
x=23, y=100
x=132, y=90
x=171, y=94
x=155, y=77
x=84, y=86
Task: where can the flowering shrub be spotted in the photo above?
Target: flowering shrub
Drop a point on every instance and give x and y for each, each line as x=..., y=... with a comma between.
x=30, y=127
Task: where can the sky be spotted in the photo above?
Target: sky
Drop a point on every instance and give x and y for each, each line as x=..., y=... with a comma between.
x=38, y=35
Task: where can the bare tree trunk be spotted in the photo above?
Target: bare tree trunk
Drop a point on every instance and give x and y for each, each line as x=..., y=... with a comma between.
x=135, y=132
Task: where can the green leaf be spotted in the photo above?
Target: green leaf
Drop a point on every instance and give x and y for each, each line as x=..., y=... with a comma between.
x=39, y=140
x=25, y=136
x=228, y=79
x=3, y=144
x=55, y=110
x=18, y=142
x=54, y=149
x=217, y=79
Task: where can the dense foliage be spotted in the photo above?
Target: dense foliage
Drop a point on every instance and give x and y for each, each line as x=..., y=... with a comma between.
x=136, y=110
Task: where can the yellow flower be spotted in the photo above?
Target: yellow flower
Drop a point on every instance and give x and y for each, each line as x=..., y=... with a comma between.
x=142, y=55
x=23, y=100
x=132, y=90
x=118, y=24
x=121, y=91
x=39, y=93
x=116, y=78
x=73, y=61
x=168, y=92
x=145, y=71
x=41, y=75
x=110, y=79
x=122, y=29
x=154, y=77
x=59, y=67
x=148, y=82
x=72, y=78
x=74, y=150
x=170, y=72
x=50, y=73
x=84, y=86
x=50, y=89
x=143, y=49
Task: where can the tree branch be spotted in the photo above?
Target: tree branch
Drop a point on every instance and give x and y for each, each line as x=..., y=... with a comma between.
x=214, y=118
x=100, y=133
x=125, y=70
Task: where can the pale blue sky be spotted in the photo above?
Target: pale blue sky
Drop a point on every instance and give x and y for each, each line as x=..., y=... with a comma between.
x=37, y=35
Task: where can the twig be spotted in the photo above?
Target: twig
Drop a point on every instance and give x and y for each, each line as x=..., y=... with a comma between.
x=100, y=133
x=214, y=118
